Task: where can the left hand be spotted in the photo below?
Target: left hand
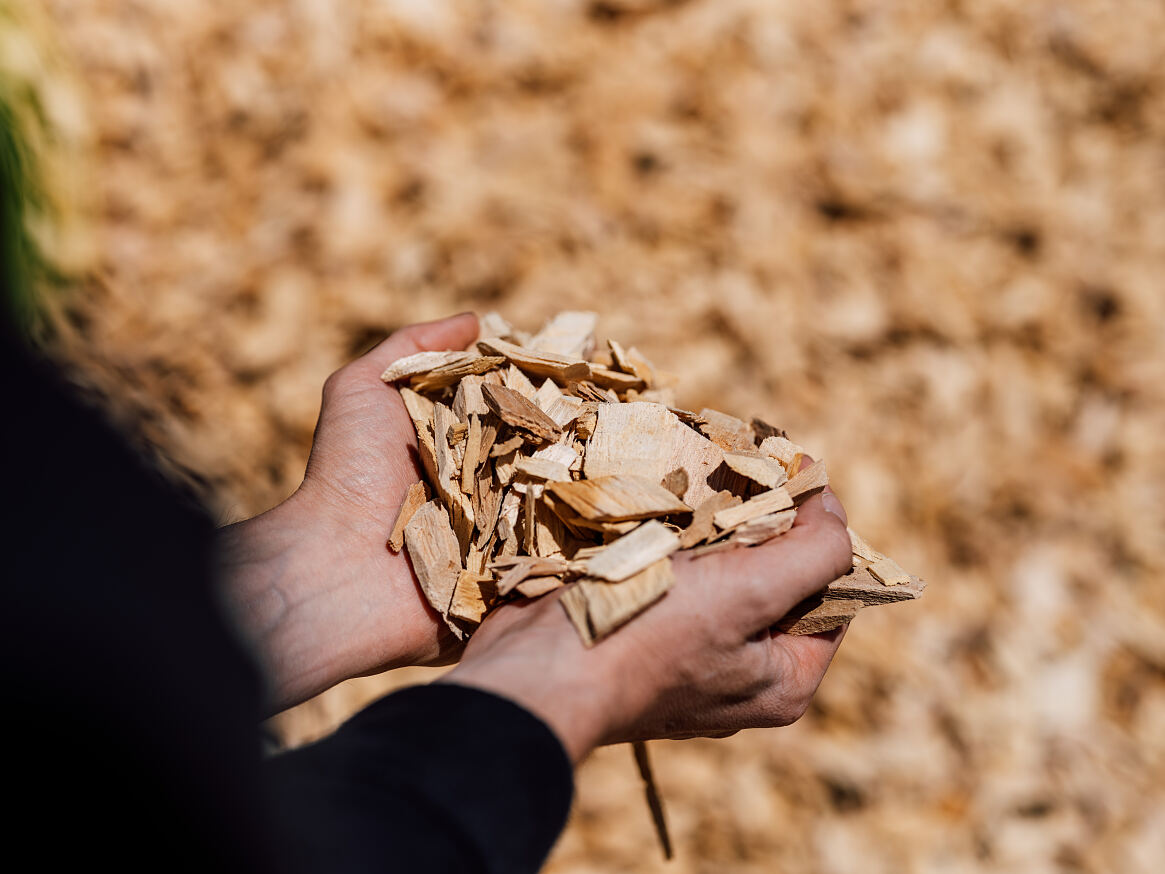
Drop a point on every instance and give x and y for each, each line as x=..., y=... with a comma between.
x=312, y=582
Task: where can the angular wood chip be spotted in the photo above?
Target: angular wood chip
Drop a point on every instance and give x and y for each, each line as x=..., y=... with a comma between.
x=415, y=497
x=888, y=573
x=448, y=374
x=633, y=552
x=561, y=367
x=471, y=597
x=536, y=587
x=807, y=482
x=761, y=469
x=814, y=616
x=422, y=362
x=762, y=505
x=764, y=528
x=861, y=549
x=860, y=585
x=612, y=605
x=702, y=527
x=618, y=498
x=727, y=432
x=570, y=334
x=647, y=440
x=520, y=414
x=761, y=430
x=676, y=482
x=435, y=554
x=543, y=469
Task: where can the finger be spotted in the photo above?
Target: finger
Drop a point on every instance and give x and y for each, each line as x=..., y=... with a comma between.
x=455, y=332
x=756, y=586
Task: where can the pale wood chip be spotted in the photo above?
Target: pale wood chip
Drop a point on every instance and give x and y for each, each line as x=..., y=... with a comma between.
x=560, y=367
x=762, y=505
x=448, y=480
x=633, y=362
x=648, y=440
x=536, y=587
x=468, y=400
x=492, y=324
x=515, y=570
x=550, y=537
x=487, y=499
x=618, y=498
x=807, y=482
x=860, y=584
x=604, y=377
x=543, y=469
x=760, y=469
x=448, y=374
x=570, y=334
x=588, y=391
x=587, y=419
x=784, y=450
x=456, y=434
x=702, y=527
x=861, y=549
x=520, y=414
x=470, y=459
x=560, y=453
x=727, y=432
x=422, y=362
x=764, y=528
x=516, y=380
x=633, y=552
x=420, y=410
x=415, y=497
x=888, y=573
x=510, y=444
x=471, y=597
x=434, y=553
x=565, y=409
x=612, y=605
x=815, y=616
x=546, y=395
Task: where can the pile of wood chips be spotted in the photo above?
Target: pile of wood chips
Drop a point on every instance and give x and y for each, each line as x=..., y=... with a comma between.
x=551, y=463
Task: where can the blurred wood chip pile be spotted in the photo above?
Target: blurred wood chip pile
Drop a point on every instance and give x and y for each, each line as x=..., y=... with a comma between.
x=926, y=238
x=552, y=464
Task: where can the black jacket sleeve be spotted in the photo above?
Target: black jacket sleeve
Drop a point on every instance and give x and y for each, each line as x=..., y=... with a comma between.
x=133, y=711
x=436, y=779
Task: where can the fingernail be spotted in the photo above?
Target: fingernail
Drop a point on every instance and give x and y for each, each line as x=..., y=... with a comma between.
x=832, y=505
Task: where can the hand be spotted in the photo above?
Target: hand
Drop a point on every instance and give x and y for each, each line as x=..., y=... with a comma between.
x=312, y=582
x=702, y=661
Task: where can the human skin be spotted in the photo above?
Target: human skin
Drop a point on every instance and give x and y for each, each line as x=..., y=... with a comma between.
x=320, y=597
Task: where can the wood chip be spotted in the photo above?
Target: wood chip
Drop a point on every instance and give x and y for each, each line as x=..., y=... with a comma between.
x=471, y=597
x=807, y=482
x=514, y=571
x=470, y=459
x=415, y=497
x=561, y=367
x=611, y=605
x=648, y=440
x=762, y=430
x=727, y=432
x=816, y=616
x=764, y=528
x=570, y=334
x=784, y=450
x=702, y=526
x=422, y=362
x=536, y=587
x=860, y=585
x=516, y=380
x=760, y=469
x=468, y=400
x=618, y=498
x=762, y=505
x=449, y=374
x=434, y=553
x=543, y=469
x=632, y=361
x=861, y=549
x=888, y=573
x=604, y=377
x=512, y=444
x=633, y=552
x=520, y=414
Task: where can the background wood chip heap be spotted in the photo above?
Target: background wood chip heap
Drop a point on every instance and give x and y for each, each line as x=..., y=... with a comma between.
x=550, y=463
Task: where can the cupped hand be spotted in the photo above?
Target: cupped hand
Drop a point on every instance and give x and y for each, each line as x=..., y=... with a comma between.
x=312, y=582
x=702, y=661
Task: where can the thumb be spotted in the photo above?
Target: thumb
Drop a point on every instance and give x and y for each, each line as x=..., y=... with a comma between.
x=455, y=332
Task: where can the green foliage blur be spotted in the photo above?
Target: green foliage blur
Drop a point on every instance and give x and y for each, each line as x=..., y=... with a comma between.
x=18, y=255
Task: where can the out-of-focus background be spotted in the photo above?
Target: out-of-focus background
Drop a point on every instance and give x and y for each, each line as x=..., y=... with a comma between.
x=927, y=238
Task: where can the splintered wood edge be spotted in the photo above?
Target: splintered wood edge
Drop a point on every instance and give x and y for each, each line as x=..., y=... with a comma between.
x=416, y=497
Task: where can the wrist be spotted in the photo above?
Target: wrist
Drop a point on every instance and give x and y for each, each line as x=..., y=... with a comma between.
x=291, y=580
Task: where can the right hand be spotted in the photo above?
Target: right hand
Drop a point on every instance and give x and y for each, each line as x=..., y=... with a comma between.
x=702, y=661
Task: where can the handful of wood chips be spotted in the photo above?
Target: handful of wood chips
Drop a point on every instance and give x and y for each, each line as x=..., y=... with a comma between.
x=550, y=464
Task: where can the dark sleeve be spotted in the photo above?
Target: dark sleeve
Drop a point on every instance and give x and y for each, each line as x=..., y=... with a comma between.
x=435, y=779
